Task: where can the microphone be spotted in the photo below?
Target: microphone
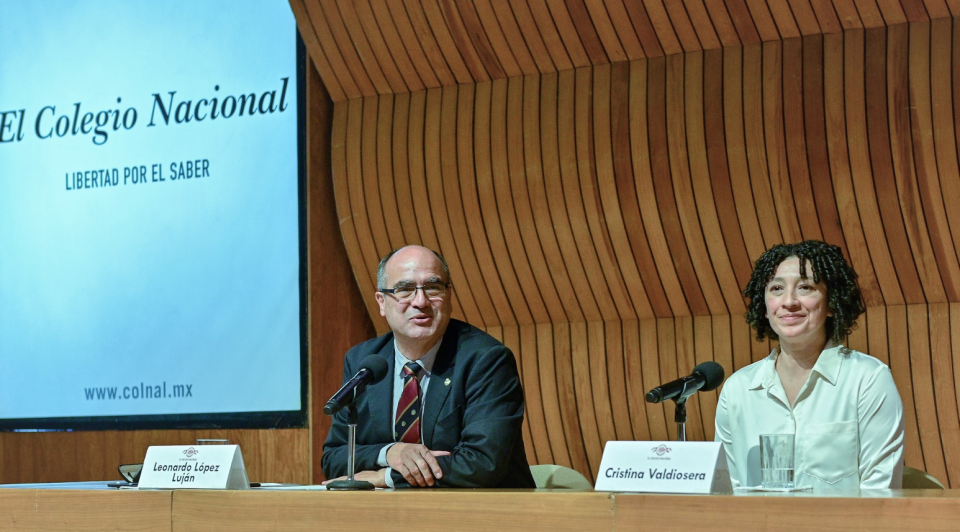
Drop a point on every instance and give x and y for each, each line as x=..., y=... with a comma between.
x=372, y=370
x=705, y=377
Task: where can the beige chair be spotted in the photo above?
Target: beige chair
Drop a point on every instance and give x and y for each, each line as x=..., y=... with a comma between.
x=552, y=476
x=914, y=479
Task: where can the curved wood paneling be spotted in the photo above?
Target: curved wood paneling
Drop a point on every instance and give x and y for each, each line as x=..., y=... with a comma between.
x=601, y=174
x=367, y=47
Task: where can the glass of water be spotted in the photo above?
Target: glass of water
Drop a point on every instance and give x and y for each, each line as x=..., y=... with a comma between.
x=776, y=461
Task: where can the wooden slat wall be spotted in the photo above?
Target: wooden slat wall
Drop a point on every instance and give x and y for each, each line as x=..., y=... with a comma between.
x=368, y=47
x=601, y=186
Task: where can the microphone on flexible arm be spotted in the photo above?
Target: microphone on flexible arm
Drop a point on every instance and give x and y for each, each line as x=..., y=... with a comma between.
x=372, y=370
x=705, y=377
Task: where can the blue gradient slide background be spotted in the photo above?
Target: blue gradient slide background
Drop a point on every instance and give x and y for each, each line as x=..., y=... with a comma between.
x=189, y=281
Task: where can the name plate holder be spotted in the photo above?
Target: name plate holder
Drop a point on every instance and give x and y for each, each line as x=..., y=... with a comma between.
x=210, y=467
x=664, y=467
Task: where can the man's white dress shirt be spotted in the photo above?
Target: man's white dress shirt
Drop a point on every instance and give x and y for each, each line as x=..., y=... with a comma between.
x=847, y=418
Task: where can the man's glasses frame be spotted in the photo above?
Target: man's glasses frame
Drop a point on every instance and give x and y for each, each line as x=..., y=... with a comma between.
x=408, y=292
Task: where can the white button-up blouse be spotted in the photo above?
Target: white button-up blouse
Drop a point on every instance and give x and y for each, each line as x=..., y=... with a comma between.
x=847, y=418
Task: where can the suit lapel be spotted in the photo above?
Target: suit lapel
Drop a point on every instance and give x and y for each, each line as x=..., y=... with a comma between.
x=439, y=387
x=379, y=419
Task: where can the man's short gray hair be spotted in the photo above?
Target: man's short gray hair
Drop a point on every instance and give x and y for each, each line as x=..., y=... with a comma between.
x=382, y=268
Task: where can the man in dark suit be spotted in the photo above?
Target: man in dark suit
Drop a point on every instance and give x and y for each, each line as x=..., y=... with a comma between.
x=468, y=433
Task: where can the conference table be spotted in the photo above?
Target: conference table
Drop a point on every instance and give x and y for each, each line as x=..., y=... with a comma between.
x=40, y=508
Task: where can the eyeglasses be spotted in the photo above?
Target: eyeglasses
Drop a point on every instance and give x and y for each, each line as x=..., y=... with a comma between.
x=406, y=292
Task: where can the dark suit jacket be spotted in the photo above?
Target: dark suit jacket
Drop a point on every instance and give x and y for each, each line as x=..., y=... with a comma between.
x=473, y=408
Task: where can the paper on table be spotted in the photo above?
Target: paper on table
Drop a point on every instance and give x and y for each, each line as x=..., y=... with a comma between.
x=761, y=488
x=292, y=488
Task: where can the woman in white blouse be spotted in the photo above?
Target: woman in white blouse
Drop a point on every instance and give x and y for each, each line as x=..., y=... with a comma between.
x=841, y=404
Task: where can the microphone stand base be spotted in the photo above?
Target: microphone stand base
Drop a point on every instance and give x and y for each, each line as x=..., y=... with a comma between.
x=349, y=485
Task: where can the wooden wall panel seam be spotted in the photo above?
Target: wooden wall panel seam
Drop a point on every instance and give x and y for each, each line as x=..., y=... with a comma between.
x=573, y=204
x=616, y=379
x=440, y=126
x=518, y=146
x=376, y=14
x=704, y=27
x=925, y=159
x=774, y=138
x=635, y=187
x=568, y=32
x=829, y=13
x=720, y=182
x=944, y=389
x=329, y=12
x=723, y=22
x=606, y=187
x=692, y=247
x=431, y=71
x=547, y=254
x=736, y=151
x=486, y=281
x=651, y=43
x=703, y=167
x=802, y=135
x=589, y=430
x=620, y=19
x=822, y=181
x=522, y=27
x=944, y=67
x=851, y=217
x=578, y=281
x=923, y=390
x=753, y=122
x=404, y=105
x=587, y=175
x=599, y=384
x=456, y=162
x=351, y=87
x=423, y=32
x=502, y=113
x=368, y=197
x=446, y=29
x=533, y=403
x=550, y=396
x=604, y=28
x=783, y=17
x=547, y=47
x=859, y=152
x=507, y=54
x=902, y=150
x=369, y=43
x=486, y=196
x=390, y=207
x=568, y=399
x=586, y=31
x=308, y=33
x=471, y=40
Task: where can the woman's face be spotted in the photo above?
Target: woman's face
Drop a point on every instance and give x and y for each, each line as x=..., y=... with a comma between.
x=797, y=307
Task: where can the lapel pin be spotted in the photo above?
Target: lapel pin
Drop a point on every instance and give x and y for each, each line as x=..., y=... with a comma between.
x=446, y=382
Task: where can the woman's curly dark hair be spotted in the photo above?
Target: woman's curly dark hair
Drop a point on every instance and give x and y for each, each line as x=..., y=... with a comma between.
x=829, y=266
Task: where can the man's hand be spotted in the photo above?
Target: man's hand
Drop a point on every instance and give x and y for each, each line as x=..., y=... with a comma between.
x=377, y=478
x=416, y=463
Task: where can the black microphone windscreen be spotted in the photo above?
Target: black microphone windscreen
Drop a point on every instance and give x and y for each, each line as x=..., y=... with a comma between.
x=712, y=374
x=379, y=367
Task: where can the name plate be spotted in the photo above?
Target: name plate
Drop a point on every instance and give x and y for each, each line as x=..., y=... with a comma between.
x=210, y=467
x=664, y=467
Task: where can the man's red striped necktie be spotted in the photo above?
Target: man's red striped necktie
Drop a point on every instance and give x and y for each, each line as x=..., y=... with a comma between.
x=407, y=425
